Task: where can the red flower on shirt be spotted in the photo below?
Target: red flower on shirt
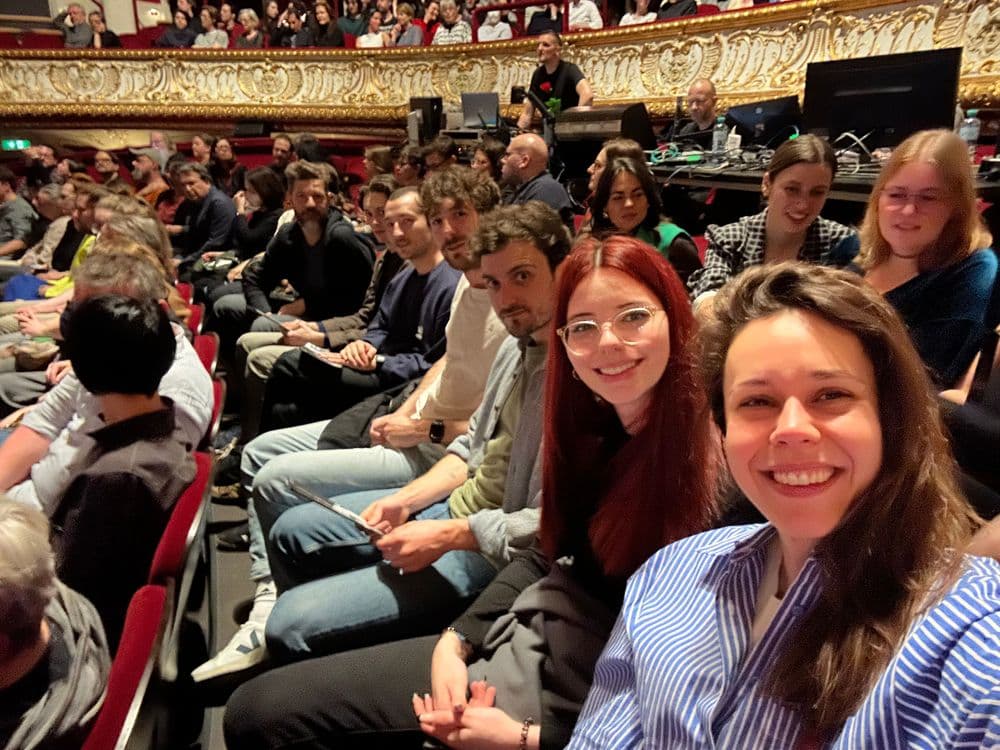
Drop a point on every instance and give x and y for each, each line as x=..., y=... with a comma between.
x=545, y=86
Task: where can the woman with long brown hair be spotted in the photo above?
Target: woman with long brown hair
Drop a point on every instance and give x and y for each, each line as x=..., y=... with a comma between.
x=852, y=619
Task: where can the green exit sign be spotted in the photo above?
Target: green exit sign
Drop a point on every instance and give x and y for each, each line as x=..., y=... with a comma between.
x=14, y=144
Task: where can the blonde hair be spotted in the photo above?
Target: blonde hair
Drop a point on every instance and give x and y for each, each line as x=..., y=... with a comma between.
x=963, y=234
x=27, y=573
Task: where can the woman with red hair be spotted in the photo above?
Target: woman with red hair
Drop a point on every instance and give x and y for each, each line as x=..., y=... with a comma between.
x=626, y=469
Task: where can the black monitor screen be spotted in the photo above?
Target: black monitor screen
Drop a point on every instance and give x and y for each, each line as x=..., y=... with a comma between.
x=480, y=110
x=762, y=122
x=889, y=96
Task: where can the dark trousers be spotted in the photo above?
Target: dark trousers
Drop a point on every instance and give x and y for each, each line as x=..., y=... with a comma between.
x=302, y=389
x=356, y=699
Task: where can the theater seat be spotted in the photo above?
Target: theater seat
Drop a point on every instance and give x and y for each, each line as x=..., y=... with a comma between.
x=197, y=318
x=207, y=346
x=702, y=244
x=179, y=557
x=131, y=670
x=186, y=291
x=218, y=401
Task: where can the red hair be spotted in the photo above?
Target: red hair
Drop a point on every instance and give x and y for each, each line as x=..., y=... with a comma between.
x=658, y=486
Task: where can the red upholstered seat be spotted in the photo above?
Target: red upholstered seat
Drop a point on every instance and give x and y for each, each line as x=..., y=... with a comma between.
x=186, y=291
x=131, y=669
x=207, y=346
x=181, y=534
x=219, y=400
x=197, y=318
x=702, y=244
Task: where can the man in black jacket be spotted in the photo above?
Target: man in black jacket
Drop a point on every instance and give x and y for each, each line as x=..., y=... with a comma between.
x=211, y=223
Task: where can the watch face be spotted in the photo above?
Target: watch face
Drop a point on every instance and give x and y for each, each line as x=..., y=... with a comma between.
x=437, y=431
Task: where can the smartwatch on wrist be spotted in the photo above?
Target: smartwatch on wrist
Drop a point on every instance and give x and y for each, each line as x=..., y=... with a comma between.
x=437, y=431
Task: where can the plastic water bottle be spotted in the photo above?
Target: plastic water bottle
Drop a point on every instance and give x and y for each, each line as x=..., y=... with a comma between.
x=968, y=131
x=719, y=135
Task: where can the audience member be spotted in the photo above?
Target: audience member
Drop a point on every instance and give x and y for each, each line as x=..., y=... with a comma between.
x=377, y=160
x=440, y=153
x=326, y=32
x=292, y=31
x=104, y=38
x=263, y=199
x=40, y=162
x=808, y=373
x=373, y=37
x=318, y=253
x=537, y=630
x=559, y=84
x=493, y=28
x=406, y=336
x=926, y=249
x=257, y=351
x=487, y=157
x=430, y=21
x=406, y=33
x=627, y=201
x=676, y=9
x=43, y=455
x=133, y=467
x=269, y=22
x=17, y=217
x=108, y=173
x=351, y=21
x=639, y=13
x=525, y=171
x=211, y=37
x=796, y=183
x=612, y=149
x=227, y=173
x=252, y=36
x=162, y=143
x=701, y=102
x=55, y=209
x=210, y=223
x=228, y=23
x=54, y=660
x=584, y=16
x=282, y=153
x=147, y=172
x=201, y=148
x=194, y=19
x=409, y=166
x=178, y=36
x=67, y=168
x=451, y=29
x=546, y=20
x=72, y=22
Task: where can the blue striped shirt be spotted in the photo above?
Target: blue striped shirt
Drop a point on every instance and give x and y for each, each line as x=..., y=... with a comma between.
x=677, y=673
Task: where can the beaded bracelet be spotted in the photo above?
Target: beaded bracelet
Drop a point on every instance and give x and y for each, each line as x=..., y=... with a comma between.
x=525, y=728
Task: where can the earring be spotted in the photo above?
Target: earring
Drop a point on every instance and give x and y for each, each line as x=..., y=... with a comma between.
x=576, y=376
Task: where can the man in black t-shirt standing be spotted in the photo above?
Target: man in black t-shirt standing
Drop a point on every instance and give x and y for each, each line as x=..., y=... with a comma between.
x=558, y=83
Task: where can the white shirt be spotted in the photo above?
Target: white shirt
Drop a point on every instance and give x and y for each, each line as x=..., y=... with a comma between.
x=584, y=15
x=370, y=41
x=631, y=19
x=492, y=32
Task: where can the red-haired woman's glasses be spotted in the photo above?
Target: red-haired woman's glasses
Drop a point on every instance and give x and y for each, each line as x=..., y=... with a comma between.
x=582, y=337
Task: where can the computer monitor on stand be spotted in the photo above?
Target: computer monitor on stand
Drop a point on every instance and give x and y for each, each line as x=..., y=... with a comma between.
x=884, y=99
x=766, y=123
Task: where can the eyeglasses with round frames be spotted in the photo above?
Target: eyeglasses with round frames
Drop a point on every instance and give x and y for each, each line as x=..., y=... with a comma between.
x=582, y=337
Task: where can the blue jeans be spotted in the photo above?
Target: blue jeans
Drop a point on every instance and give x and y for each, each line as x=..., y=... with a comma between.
x=273, y=458
x=364, y=601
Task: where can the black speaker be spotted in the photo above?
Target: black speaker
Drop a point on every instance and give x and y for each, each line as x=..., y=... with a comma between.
x=431, y=110
x=251, y=129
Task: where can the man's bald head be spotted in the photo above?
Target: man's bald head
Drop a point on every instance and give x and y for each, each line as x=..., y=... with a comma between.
x=527, y=157
x=701, y=102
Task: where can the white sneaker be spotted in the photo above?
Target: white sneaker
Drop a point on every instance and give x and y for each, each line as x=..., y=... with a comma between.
x=244, y=650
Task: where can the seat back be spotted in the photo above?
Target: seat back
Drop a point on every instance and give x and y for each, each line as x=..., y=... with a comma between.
x=218, y=402
x=131, y=670
x=207, y=346
x=196, y=319
x=182, y=533
x=186, y=291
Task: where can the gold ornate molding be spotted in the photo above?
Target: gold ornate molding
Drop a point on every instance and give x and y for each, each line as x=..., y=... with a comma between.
x=751, y=55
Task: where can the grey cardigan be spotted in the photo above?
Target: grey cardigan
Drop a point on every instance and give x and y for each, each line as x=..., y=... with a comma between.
x=515, y=523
